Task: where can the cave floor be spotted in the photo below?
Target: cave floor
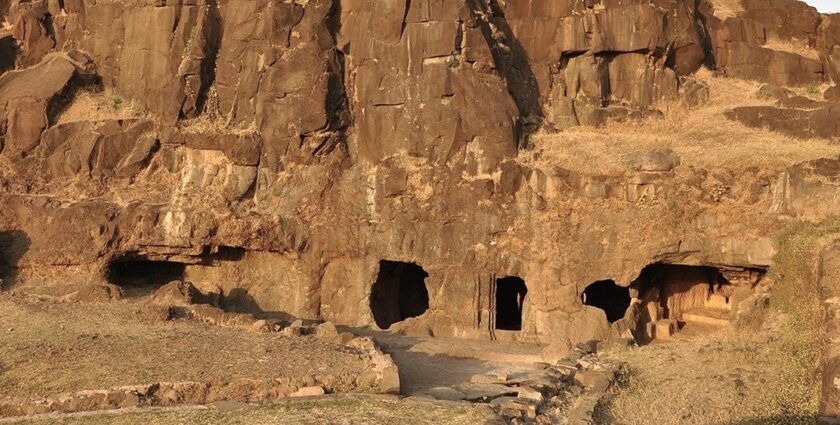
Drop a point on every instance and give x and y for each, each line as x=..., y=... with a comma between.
x=426, y=362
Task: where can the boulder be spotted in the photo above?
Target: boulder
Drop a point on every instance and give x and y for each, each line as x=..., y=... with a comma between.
x=176, y=293
x=445, y=393
x=314, y=391
x=327, y=332
x=25, y=96
x=656, y=160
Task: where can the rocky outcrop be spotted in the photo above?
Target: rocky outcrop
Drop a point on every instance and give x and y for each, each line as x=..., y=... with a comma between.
x=802, y=123
x=286, y=152
x=26, y=98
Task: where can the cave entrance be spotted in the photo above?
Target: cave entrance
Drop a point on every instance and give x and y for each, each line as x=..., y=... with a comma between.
x=139, y=276
x=510, y=301
x=398, y=293
x=608, y=296
x=673, y=295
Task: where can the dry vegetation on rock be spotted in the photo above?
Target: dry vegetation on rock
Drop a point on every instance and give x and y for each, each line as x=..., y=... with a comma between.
x=702, y=137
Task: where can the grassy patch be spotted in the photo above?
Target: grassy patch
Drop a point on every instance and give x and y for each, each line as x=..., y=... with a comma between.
x=324, y=411
x=759, y=374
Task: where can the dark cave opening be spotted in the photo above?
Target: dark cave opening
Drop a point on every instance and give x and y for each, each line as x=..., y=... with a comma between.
x=510, y=301
x=398, y=293
x=608, y=296
x=138, y=276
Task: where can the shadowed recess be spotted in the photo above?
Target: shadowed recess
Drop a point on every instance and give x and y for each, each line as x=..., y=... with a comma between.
x=607, y=296
x=510, y=300
x=398, y=293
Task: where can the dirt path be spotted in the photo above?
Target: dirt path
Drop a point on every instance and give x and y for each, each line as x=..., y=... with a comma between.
x=425, y=363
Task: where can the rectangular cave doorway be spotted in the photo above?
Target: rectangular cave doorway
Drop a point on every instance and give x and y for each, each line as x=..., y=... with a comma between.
x=398, y=293
x=673, y=296
x=139, y=277
x=510, y=302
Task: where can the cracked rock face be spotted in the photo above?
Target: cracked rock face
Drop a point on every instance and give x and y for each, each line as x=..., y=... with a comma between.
x=283, y=151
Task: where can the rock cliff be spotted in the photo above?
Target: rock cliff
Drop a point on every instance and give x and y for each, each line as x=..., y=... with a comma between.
x=289, y=152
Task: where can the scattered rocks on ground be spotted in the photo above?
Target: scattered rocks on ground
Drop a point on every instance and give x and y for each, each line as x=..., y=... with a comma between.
x=308, y=392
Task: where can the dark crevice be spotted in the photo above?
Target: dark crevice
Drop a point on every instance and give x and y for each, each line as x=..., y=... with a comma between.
x=405, y=18
x=513, y=65
x=702, y=24
x=212, y=33
x=337, y=105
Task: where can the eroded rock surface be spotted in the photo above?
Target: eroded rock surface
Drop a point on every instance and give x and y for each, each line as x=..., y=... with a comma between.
x=285, y=153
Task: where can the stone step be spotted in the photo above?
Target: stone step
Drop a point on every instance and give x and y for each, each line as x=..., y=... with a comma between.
x=709, y=316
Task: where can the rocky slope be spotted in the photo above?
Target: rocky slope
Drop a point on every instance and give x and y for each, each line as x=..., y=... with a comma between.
x=290, y=152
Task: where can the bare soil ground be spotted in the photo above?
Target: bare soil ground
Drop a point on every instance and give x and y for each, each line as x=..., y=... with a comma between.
x=49, y=347
x=426, y=363
x=328, y=410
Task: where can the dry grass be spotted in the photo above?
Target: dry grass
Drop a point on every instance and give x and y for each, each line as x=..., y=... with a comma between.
x=793, y=46
x=739, y=378
x=341, y=410
x=98, y=106
x=212, y=120
x=50, y=347
x=701, y=381
x=702, y=137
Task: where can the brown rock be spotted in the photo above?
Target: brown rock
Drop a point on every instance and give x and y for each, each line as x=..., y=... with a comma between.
x=308, y=392
x=24, y=97
x=176, y=293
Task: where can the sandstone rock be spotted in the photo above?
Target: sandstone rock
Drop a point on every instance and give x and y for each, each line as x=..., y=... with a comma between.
x=327, y=332
x=445, y=393
x=657, y=160
x=24, y=98
x=531, y=394
x=832, y=94
x=485, y=392
x=592, y=380
x=176, y=293
x=260, y=326
x=308, y=392
x=486, y=379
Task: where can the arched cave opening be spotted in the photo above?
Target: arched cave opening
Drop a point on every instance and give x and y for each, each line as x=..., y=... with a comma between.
x=398, y=293
x=672, y=295
x=510, y=301
x=608, y=296
x=139, y=276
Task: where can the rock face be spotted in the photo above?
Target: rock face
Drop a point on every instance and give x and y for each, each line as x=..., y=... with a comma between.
x=289, y=153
